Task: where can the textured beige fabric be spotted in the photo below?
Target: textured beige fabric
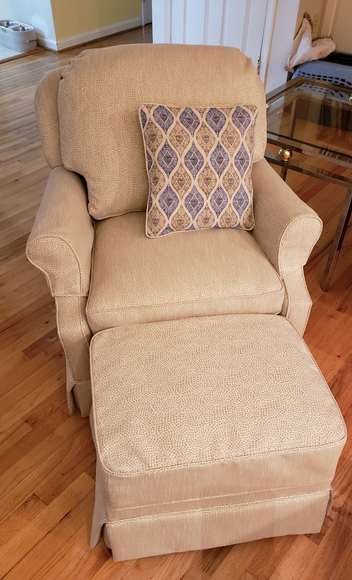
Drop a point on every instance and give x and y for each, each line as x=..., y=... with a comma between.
x=61, y=239
x=48, y=116
x=102, y=90
x=82, y=395
x=218, y=412
x=78, y=392
x=73, y=327
x=75, y=336
x=136, y=279
x=218, y=526
x=286, y=230
x=60, y=245
x=297, y=303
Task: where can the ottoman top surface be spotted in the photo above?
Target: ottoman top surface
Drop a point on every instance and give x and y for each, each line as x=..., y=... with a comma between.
x=202, y=390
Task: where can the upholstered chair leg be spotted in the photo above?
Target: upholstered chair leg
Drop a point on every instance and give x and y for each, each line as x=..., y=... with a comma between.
x=297, y=303
x=75, y=336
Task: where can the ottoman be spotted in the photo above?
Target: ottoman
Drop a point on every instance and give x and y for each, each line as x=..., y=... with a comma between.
x=209, y=431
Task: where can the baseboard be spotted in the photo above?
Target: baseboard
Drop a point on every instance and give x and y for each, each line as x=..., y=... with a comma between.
x=46, y=43
x=89, y=36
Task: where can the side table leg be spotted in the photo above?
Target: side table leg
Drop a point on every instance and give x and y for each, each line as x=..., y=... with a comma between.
x=337, y=241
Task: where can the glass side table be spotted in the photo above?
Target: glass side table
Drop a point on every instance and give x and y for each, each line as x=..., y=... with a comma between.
x=314, y=118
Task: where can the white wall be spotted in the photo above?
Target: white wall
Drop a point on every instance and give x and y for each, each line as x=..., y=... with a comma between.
x=38, y=13
x=283, y=32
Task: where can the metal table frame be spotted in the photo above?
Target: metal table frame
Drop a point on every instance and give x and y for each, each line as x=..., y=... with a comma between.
x=290, y=144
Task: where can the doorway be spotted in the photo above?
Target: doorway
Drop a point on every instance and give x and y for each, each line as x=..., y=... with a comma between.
x=146, y=12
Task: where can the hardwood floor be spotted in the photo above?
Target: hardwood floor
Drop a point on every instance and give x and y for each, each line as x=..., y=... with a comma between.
x=47, y=458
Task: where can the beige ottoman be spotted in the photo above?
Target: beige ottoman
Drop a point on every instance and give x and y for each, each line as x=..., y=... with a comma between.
x=209, y=431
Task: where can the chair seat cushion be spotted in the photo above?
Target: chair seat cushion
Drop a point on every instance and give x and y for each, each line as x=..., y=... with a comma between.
x=136, y=279
x=207, y=413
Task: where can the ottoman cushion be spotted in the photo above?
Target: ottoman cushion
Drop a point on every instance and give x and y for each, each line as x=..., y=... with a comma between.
x=206, y=414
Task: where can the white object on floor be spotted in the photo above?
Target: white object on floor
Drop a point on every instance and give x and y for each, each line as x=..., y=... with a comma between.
x=17, y=36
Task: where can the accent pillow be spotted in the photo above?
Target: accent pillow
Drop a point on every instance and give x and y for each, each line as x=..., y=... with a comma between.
x=199, y=164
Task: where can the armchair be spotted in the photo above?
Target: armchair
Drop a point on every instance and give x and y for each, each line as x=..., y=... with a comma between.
x=88, y=237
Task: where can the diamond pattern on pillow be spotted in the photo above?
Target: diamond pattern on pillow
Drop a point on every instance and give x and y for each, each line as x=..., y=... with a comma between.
x=199, y=164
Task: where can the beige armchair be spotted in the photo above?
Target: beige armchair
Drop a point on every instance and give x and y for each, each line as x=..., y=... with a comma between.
x=89, y=234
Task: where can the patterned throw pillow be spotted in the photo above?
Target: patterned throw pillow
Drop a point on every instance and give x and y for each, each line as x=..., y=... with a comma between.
x=199, y=163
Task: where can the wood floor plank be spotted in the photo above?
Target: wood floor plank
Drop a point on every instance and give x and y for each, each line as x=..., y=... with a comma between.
x=12, y=280
x=39, y=394
x=323, y=334
x=194, y=572
x=218, y=555
x=14, y=248
x=38, y=433
x=237, y=561
x=21, y=480
x=42, y=413
x=17, y=372
x=26, y=333
x=269, y=557
x=248, y=576
x=343, y=570
x=342, y=482
x=295, y=560
x=45, y=300
x=173, y=567
x=10, y=437
x=22, y=298
x=111, y=570
x=41, y=344
x=329, y=364
x=26, y=395
x=13, y=525
x=33, y=183
x=78, y=562
x=79, y=459
x=340, y=385
x=146, y=568
x=332, y=547
x=39, y=546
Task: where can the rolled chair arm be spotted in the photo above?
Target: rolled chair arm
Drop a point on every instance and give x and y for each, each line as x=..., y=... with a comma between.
x=286, y=229
x=61, y=240
x=60, y=245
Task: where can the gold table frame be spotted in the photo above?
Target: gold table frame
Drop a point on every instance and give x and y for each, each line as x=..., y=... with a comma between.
x=278, y=98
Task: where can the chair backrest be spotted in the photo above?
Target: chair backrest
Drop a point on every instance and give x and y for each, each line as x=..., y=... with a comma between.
x=95, y=113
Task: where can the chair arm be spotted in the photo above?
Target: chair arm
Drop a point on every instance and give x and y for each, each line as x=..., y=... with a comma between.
x=286, y=228
x=61, y=240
